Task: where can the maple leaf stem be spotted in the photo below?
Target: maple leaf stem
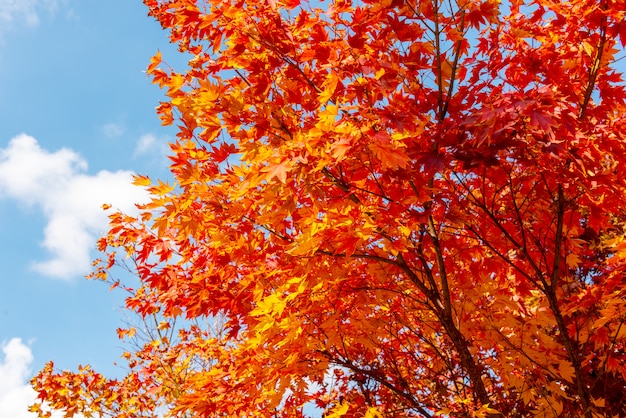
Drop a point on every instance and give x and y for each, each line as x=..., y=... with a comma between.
x=521, y=351
x=506, y=259
x=268, y=229
x=418, y=16
x=518, y=211
x=356, y=256
x=379, y=377
x=341, y=185
x=242, y=77
x=433, y=346
x=283, y=126
x=295, y=66
x=521, y=247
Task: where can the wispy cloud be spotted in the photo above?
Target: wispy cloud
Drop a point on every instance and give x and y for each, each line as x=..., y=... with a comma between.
x=56, y=183
x=24, y=12
x=150, y=144
x=15, y=370
x=113, y=130
x=145, y=143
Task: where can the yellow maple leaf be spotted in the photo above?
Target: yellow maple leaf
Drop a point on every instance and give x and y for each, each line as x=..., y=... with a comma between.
x=338, y=410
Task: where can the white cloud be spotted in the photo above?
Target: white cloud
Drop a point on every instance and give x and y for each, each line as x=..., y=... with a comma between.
x=24, y=12
x=145, y=143
x=113, y=130
x=16, y=395
x=150, y=144
x=70, y=199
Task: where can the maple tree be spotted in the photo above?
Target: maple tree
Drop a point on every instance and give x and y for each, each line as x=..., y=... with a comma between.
x=384, y=208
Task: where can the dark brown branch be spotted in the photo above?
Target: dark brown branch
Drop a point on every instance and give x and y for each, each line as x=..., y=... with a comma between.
x=595, y=67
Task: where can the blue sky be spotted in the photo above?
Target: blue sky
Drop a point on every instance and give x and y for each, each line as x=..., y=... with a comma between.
x=77, y=118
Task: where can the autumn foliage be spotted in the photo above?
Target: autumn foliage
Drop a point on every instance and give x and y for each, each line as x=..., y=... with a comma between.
x=381, y=208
